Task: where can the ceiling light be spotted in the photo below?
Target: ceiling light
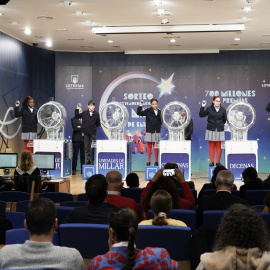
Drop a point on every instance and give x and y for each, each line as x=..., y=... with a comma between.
x=88, y=23
x=67, y=3
x=78, y=13
x=13, y=23
x=237, y=39
x=247, y=9
x=250, y=1
x=49, y=43
x=168, y=29
x=160, y=11
x=157, y=2
x=1, y=14
x=164, y=21
x=172, y=40
x=110, y=41
x=244, y=19
x=27, y=31
x=173, y=51
x=61, y=29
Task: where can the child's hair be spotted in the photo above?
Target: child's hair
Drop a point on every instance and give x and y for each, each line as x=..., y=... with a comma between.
x=27, y=161
x=215, y=97
x=152, y=100
x=132, y=180
x=161, y=205
x=25, y=102
x=91, y=102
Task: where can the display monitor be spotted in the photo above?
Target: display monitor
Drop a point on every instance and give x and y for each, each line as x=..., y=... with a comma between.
x=8, y=160
x=44, y=161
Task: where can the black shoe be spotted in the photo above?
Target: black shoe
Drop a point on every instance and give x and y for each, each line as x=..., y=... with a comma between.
x=148, y=163
x=211, y=164
x=87, y=163
x=73, y=172
x=219, y=164
x=91, y=163
x=156, y=164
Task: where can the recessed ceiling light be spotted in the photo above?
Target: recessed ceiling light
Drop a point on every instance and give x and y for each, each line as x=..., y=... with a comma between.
x=67, y=3
x=1, y=14
x=88, y=23
x=44, y=17
x=172, y=40
x=78, y=13
x=247, y=9
x=13, y=23
x=157, y=2
x=244, y=19
x=237, y=39
x=110, y=41
x=61, y=29
x=164, y=21
x=49, y=43
x=160, y=11
x=27, y=31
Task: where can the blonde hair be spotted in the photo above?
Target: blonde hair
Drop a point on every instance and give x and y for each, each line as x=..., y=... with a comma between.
x=27, y=161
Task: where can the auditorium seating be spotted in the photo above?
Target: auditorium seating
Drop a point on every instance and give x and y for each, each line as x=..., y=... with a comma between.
x=82, y=197
x=187, y=216
x=62, y=212
x=73, y=203
x=133, y=193
x=16, y=218
x=194, y=193
x=258, y=208
x=256, y=197
x=213, y=217
x=3, y=204
x=57, y=197
x=174, y=238
x=266, y=217
x=21, y=206
x=14, y=196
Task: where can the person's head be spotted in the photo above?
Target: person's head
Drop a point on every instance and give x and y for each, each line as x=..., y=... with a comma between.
x=96, y=189
x=91, y=105
x=40, y=217
x=132, y=180
x=123, y=226
x=27, y=161
x=216, y=171
x=164, y=183
x=249, y=174
x=114, y=180
x=183, y=113
x=216, y=101
x=154, y=103
x=225, y=179
x=80, y=110
x=161, y=205
x=242, y=227
x=28, y=102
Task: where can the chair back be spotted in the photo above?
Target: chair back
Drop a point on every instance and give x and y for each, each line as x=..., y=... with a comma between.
x=82, y=197
x=173, y=238
x=19, y=236
x=3, y=205
x=21, y=206
x=194, y=193
x=14, y=196
x=16, y=218
x=266, y=217
x=89, y=239
x=132, y=193
x=57, y=197
x=255, y=197
x=62, y=212
x=74, y=203
x=213, y=217
x=187, y=216
x=258, y=208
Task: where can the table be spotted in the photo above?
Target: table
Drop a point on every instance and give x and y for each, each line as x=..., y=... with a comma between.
x=59, y=185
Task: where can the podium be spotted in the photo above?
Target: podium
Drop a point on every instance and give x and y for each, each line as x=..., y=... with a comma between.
x=113, y=155
x=178, y=152
x=57, y=147
x=240, y=155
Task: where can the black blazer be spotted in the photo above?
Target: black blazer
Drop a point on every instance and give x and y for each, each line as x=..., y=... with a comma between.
x=29, y=119
x=189, y=130
x=153, y=121
x=77, y=132
x=216, y=120
x=268, y=107
x=89, y=123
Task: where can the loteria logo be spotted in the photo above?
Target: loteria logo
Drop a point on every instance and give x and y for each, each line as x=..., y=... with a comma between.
x=74, y=83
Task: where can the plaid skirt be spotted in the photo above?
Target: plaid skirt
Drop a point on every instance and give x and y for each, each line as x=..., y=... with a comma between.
x=217, y=136
x=152, y=137
x=29, y=136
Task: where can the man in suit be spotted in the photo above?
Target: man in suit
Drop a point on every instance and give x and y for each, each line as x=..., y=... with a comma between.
x=223, y=197
x=189, y=127
x=77, y=141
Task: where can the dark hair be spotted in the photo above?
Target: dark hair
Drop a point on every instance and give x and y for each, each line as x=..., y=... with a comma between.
x=242, y=227
x=40, y=216
x=166, y=184
x=170, y=165
x=251, y=173
x=215, y=97
x=96, y=189
x=153, y=99
x=161, y=201
x=124, y=222
x=91, y=102
x=216, y=171
x=132, y=180
x=25, y=102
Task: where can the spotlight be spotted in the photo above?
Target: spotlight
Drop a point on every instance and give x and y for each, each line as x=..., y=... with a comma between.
x=49, y=43
x=27, y=31
x=67, y=3
x=157, y=2
x=164, y=21
x=247, y=9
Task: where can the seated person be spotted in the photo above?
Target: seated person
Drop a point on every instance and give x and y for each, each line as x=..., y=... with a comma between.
x=242, y=242
x=98, y=210
x=132, y=180
x=161, y=205
x=123, y=226
x=163, y=182
x=39, y=252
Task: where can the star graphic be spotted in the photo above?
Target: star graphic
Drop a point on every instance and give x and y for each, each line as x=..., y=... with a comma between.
x=166, y=86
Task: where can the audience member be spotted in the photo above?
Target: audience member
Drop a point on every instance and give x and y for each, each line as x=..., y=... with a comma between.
x=132, y=180
x=123, y=223
x=162, y=182
x=115, y=184
x=251, y=181
x=242, y=242
x=5, y=224
x=97, y=211
x=223, y=197
x=161, y=205
x=39, y=252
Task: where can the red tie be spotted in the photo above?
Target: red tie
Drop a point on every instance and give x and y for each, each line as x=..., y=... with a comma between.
x=91, y=111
